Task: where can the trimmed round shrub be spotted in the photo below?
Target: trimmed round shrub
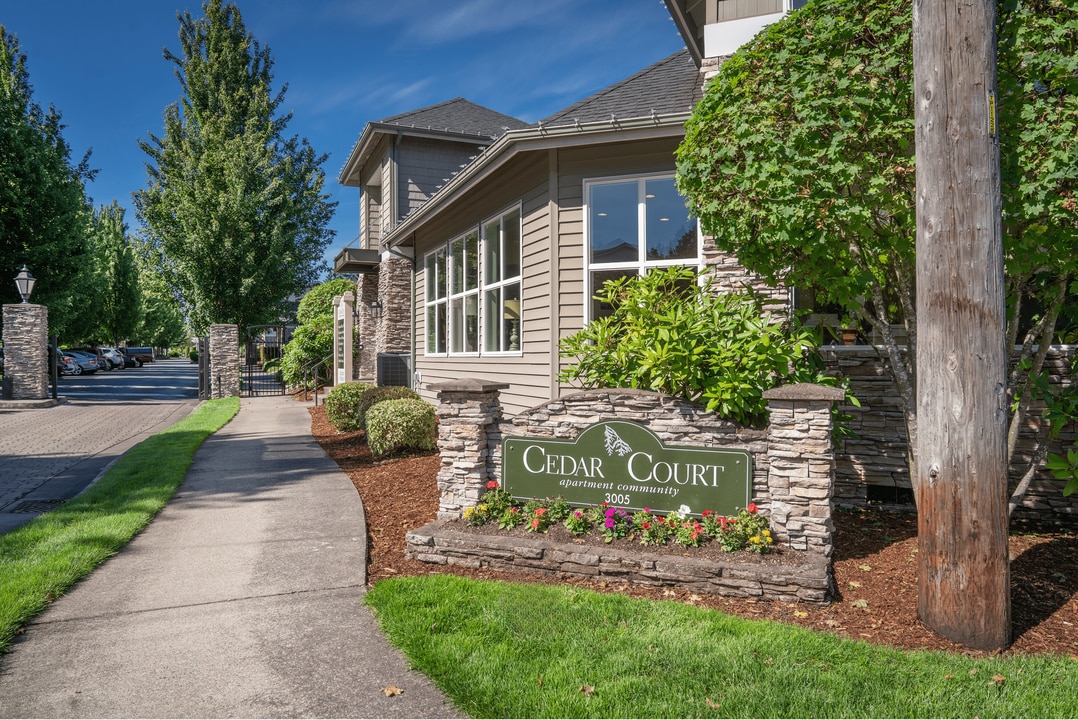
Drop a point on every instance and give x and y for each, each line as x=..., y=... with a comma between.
x=398, y=425
x=375, y=394
x=342, y=403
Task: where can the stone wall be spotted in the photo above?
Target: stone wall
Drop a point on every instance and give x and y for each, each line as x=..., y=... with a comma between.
x=224, y=361
x=26, y=351
x=673, y=420
x=793, y=479
x=873, y=461
x=730, y=276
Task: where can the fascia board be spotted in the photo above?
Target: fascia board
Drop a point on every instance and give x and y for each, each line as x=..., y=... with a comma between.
x=516, y=142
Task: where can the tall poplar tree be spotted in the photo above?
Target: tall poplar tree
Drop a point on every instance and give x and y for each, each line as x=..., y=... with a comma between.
x=120, y=307
x=234, y=209
x=44, y=215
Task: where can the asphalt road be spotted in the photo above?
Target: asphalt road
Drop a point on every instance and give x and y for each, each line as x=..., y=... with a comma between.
x=159, y=381
x=49, y=455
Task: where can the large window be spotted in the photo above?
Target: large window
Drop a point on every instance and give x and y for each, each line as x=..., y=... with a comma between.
x=634, y=225
x=478, y=272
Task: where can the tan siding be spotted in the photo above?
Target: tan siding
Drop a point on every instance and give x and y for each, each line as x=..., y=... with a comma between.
x=526, y=180
x=523, y=183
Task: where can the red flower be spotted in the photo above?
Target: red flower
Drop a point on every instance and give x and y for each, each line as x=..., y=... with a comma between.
x=707, y=513
x=722, y=522
x=492, y=485
x=539, y=512
x=646, y=525
x=535, y=523
x=752, y=508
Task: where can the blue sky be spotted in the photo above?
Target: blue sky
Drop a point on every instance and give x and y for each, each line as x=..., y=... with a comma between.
x=346, y=62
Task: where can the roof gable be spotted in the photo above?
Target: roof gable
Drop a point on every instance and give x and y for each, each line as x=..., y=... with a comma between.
x=670, y=86
x=457, y=116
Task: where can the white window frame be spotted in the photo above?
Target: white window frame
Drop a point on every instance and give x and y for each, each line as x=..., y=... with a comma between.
x=641, y=265
x=502, y=283
x=486, y=283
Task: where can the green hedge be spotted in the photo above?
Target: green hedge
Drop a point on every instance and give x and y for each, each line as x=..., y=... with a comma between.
x=342, y=403
x=398, y=425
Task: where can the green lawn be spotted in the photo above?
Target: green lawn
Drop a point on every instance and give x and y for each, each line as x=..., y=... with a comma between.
x=523, y=650
x=42, y=559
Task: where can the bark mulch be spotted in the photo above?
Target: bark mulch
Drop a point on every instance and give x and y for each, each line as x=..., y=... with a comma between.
x=875, y=562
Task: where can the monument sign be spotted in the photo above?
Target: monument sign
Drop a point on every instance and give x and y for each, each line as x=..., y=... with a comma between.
x=626, y=465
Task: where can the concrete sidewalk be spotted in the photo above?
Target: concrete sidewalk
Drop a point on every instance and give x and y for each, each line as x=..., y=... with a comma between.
x=243, y=598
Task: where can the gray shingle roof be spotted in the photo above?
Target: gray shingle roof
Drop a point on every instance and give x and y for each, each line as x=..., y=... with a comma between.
x=669, y=86
x=457, y=115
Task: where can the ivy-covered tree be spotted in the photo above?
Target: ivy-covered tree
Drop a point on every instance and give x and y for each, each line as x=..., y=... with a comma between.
x=800, y=161
x=119, y=304
x=234, y=208
x=44, y=215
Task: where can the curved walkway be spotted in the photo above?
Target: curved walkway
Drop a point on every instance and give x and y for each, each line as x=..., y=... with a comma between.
x=243, y=598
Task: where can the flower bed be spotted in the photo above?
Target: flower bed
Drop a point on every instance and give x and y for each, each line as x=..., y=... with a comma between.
x=732, y=555
x=748, y=530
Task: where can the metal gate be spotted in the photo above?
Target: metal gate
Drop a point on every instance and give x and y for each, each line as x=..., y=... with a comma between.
x=261, y=361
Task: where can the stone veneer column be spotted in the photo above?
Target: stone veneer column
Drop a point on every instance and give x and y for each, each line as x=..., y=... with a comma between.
x=394, y=333
x=468, y=411
x=366, y=327
x=224, y=361
x=801, y=477
x=26, y=351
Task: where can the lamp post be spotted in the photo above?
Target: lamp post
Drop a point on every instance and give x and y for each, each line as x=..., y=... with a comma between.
x=24, y=281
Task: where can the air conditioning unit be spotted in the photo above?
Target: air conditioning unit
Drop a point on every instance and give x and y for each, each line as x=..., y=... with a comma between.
x=395, y=369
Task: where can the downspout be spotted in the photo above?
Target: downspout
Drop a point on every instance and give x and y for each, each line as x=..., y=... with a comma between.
x=394, y=178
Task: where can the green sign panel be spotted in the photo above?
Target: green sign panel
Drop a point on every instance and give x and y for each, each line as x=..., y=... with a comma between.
x=626, y=465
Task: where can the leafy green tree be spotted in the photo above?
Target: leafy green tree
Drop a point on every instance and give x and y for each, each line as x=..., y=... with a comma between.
x=119, y=310
x=800, y=161
x=234, y=208
x=44, y=215
x=312, y=340
x=670, y=334
x=163, y=322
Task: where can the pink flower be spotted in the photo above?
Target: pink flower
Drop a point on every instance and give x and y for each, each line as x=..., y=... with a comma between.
x=647, y=510
x=535, y=523
x=539, y=512
x=577, y=514
x=609, y=522
x=610, y=513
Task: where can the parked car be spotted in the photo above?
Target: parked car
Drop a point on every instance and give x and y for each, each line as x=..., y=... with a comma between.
x=66, y=364
x=141, y=354
x=102, y=363
x=85, y=363
x=112, y=355
x=128, y=360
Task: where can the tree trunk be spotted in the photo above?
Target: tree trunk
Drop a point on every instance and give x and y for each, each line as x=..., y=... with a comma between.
x=961, y=472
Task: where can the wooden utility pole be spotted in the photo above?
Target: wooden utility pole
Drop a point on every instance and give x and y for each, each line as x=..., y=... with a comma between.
x=961, y=475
